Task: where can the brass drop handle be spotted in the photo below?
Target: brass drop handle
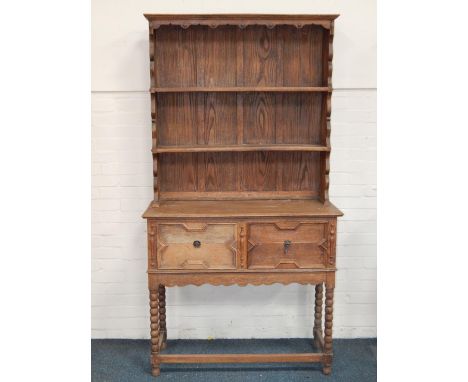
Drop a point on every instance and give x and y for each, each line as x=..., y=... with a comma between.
x=286, y=244
x=196, y=244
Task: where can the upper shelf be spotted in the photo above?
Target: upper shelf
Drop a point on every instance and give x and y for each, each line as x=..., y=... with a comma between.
x=184, y=89
x=239, y=148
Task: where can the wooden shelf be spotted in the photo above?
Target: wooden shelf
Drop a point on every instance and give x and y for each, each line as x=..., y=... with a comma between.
x=309, y=89
x=239, y=148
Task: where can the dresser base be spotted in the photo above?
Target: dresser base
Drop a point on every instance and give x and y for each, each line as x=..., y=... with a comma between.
x=242, y=242
x=322, y=333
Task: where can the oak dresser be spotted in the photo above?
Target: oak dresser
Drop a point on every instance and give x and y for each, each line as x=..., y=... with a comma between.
x=240, y=109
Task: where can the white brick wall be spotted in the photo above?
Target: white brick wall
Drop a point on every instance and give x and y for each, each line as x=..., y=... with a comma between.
x=122, y=188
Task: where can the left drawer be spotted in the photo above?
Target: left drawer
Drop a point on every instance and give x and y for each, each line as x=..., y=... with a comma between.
x=191, y=245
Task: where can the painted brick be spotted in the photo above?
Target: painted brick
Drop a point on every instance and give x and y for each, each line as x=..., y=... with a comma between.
x=138, y=180
x=134, y=205
x=357, y=227
x=356, y=214
x=356, y=251
x=145, y=193
x=105, y=204
x=119, y=300
x=104, y=180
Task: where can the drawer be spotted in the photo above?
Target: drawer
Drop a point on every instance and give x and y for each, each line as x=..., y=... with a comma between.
x=197, y=246
x=288, y=245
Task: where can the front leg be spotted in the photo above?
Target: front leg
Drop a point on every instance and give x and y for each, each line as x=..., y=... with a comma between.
x=155, y=331
x=162, y=316
x=328, y=348
x=318, y=335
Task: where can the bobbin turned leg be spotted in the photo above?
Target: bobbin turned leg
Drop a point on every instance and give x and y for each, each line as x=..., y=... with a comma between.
x=318, y=334
x=162, y=316
x=155, y=331
x=327, y=346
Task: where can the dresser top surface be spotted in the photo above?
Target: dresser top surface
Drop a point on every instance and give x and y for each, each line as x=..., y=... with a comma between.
x=241, y=208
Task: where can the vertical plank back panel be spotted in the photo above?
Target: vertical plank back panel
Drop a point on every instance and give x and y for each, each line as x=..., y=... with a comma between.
x=229, y=56
x=300, y=171
x=176, y=60
x=177, y=117
x=262, y=56
x=260, y=171
x=216, y=52
x=259, y=118
x=218, y=172
x=178, y=172
x=217, y=118
x=298, y=118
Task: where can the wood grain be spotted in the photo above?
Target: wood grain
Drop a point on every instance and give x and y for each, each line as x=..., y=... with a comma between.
x=178, y=172
x=240, y=110
x=176, y=57
x=206, y=118
x=239, y=358
x=298, y=118
x=302, y=55
x=177, y=117
x=162, y=317
x=216, y=250
x=327, y=68
x=262, y=56
x=210, y=119
x=236, y=195
x=300, y=172
x=240, y=148
x=241, y=20
x=306, y=248
x=155, y=331
x=217, y=119
x=154, y=130
x=202, y=209
x=318, y=309
x=328, y=345
x=240, y=89
x=201, y=277
x=259, y=118
x=259, y=171
x=215, y=51
x=218, y=172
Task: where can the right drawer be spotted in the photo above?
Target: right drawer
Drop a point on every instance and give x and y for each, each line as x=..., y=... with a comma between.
x=288, y=245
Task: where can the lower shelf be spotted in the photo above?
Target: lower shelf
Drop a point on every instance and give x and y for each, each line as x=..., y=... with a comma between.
x=239, y=358
x=310, y=351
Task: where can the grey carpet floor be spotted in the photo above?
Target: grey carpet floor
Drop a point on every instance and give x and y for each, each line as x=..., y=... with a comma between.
x=355, y=360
